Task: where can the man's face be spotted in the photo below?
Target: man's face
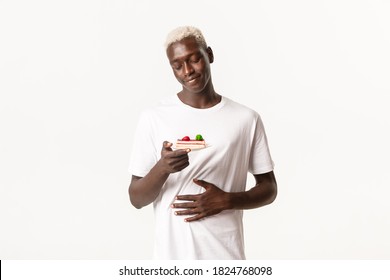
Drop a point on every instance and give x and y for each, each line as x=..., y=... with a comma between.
x=190, y=64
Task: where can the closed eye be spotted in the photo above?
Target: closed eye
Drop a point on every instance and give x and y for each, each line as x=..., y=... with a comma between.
x=176, y=66
x=196, y=59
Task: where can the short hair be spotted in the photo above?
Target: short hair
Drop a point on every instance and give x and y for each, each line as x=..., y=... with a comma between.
x=183, y=32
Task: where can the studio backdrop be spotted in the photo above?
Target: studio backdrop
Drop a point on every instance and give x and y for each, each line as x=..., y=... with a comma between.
x=75, y=75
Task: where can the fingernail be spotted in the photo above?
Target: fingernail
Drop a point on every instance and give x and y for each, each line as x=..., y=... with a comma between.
x=188, y=150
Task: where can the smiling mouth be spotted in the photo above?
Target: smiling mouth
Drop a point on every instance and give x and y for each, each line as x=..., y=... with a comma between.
x=192, y=79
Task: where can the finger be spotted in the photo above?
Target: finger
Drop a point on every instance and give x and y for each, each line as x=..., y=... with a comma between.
x=180, y=163
x=175, y=154
x=185, y=213
x=195, y=218
x=180, y=152
x=201, y=183
x=183, y=205
x=188, y=197
x=175, y=164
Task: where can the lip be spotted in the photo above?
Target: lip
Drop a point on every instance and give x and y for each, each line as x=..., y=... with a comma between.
x=192, y=80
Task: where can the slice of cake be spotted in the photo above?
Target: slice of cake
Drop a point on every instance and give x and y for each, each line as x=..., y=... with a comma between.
x=187, y=143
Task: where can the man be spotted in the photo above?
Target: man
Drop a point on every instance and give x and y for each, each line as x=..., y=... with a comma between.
x=199, y=195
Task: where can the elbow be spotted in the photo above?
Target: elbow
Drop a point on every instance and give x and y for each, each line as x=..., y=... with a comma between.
x=133, y=199
x=135, y=203
x=273, y=188
x=138, y=206
x=273, y=193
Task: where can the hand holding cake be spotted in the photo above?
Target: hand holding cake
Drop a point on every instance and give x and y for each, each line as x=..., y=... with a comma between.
x=173, y=161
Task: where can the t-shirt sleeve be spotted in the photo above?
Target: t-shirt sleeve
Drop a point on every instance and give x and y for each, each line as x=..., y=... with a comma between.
x=260, y=158
x=143, y=156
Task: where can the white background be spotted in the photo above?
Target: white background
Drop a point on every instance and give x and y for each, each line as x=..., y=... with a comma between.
x=74, y=76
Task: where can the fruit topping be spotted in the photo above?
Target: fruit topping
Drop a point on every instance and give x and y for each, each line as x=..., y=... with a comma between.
x=186, y=138
x=199, y=137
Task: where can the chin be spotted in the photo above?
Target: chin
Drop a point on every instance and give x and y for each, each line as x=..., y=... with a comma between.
x=194, y=90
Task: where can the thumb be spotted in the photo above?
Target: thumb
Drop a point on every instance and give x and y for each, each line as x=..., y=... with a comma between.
x=166, y=146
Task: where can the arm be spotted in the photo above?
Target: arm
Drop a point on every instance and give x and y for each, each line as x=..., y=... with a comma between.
x=214, y=200
x=263, y=193
x=144, y=190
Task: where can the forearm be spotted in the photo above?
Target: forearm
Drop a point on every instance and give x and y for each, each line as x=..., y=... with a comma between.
x=143, y=191
x=256, y=197
x=263, y=193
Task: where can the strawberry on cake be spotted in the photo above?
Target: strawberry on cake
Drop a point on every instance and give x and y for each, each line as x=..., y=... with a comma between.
x=187, y=143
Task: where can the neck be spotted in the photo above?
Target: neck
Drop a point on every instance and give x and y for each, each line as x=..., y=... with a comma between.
x=204, y=99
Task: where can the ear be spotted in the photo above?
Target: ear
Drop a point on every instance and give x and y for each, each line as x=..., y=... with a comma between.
x=210, y=54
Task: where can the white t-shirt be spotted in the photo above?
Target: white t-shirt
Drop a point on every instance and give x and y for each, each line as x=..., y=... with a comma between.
x=236, y=144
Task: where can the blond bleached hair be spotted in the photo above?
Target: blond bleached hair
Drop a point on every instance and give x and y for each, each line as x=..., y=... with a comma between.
x=183, y=32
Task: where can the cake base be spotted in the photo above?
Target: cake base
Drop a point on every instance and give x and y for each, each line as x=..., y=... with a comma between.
x=191, y=144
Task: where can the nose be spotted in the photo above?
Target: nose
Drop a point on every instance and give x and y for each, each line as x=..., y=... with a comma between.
x=188, y=69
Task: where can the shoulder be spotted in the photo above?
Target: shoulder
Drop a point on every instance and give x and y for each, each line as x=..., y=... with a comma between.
x=240, y=109
x=155, y=109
